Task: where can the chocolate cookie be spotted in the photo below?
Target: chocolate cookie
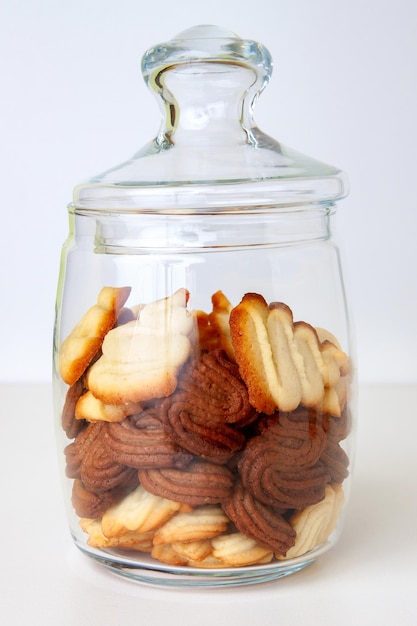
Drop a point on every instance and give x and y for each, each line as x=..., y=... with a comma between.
x=208, y=409
x=88, y=459
x=141, y=442
x=259, y=521
x=200, y=483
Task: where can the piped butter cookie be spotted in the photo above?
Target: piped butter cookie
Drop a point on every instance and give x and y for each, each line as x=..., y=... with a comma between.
x=84, y=341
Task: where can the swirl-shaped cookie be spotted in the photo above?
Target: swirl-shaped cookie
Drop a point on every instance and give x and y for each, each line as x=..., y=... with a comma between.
x=199, y=483
x=207, y=409
x=258, y=521
x=140, y=441
x=185, y=419
x=293, y=441
x=216, y=382
x=88, y=459
x=336, y=461
x=285, y=490
x=281, y=466
x=89, y=504
x=70, y=424
x=75, y=451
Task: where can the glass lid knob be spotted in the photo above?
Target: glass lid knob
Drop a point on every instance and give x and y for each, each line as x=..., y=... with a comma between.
x=208, y=78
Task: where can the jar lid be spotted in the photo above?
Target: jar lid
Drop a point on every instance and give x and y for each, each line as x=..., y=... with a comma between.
x=209, y=155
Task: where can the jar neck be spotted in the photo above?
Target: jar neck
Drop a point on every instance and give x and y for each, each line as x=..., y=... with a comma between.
x=146, y=233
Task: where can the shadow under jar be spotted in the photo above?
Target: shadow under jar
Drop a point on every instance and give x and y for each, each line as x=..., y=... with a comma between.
x=203, y=378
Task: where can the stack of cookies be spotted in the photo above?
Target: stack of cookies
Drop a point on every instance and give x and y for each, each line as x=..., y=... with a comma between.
x=207, y=439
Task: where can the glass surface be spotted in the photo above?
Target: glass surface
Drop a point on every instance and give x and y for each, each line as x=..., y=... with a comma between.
x=203, y=364
x=209, y=154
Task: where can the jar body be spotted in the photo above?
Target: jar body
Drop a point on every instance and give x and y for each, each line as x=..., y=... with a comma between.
x=206, y=436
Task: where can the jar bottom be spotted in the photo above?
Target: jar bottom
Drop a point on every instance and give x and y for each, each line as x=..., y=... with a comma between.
x=148, y=571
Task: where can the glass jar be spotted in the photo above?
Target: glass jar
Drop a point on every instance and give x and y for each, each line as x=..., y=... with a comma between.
x=203, y=374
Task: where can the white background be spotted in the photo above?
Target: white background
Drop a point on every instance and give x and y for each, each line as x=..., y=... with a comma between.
x=73, y=103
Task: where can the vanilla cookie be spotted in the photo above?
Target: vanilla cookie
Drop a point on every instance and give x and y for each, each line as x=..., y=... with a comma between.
x=209, y=562
x=140, y=360
x=219, y=320
x=315, y=523
x=203, y=522
x=237, y=550
x=84, y=341
x=335, y=398
x=208, y=337
x=92, y=409
x=193, y=550
x=139, y=511
x=166, y=554
x=335, y=363
x=69, y=423
x=309, y=363
x=265, y=352
x=131, y=540
x=283, y=363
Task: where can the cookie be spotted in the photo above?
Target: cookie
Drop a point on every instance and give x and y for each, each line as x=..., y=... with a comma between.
x=290, y=441
x=237, y=550
x=139, y=511
x=336, y=461
x=264, y=350
x=84, y=341
x=141, y=542
x=216, y=382
x=200, y=482
x=335, y=398
x=258, y=521
x=314, y=524
x=88, y=459
x=209, y=408
x=283, y=363
x=140, y=359
x=89, y=504
x=166, y=554
x=196, y=551
x=219, y=321
x=140, y=441
x=70, y=424
x=92, y=409
x=203, y=522
x=208, y=337
x=286, y=490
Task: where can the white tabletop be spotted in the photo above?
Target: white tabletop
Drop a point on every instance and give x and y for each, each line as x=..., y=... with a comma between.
x=368, y=578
